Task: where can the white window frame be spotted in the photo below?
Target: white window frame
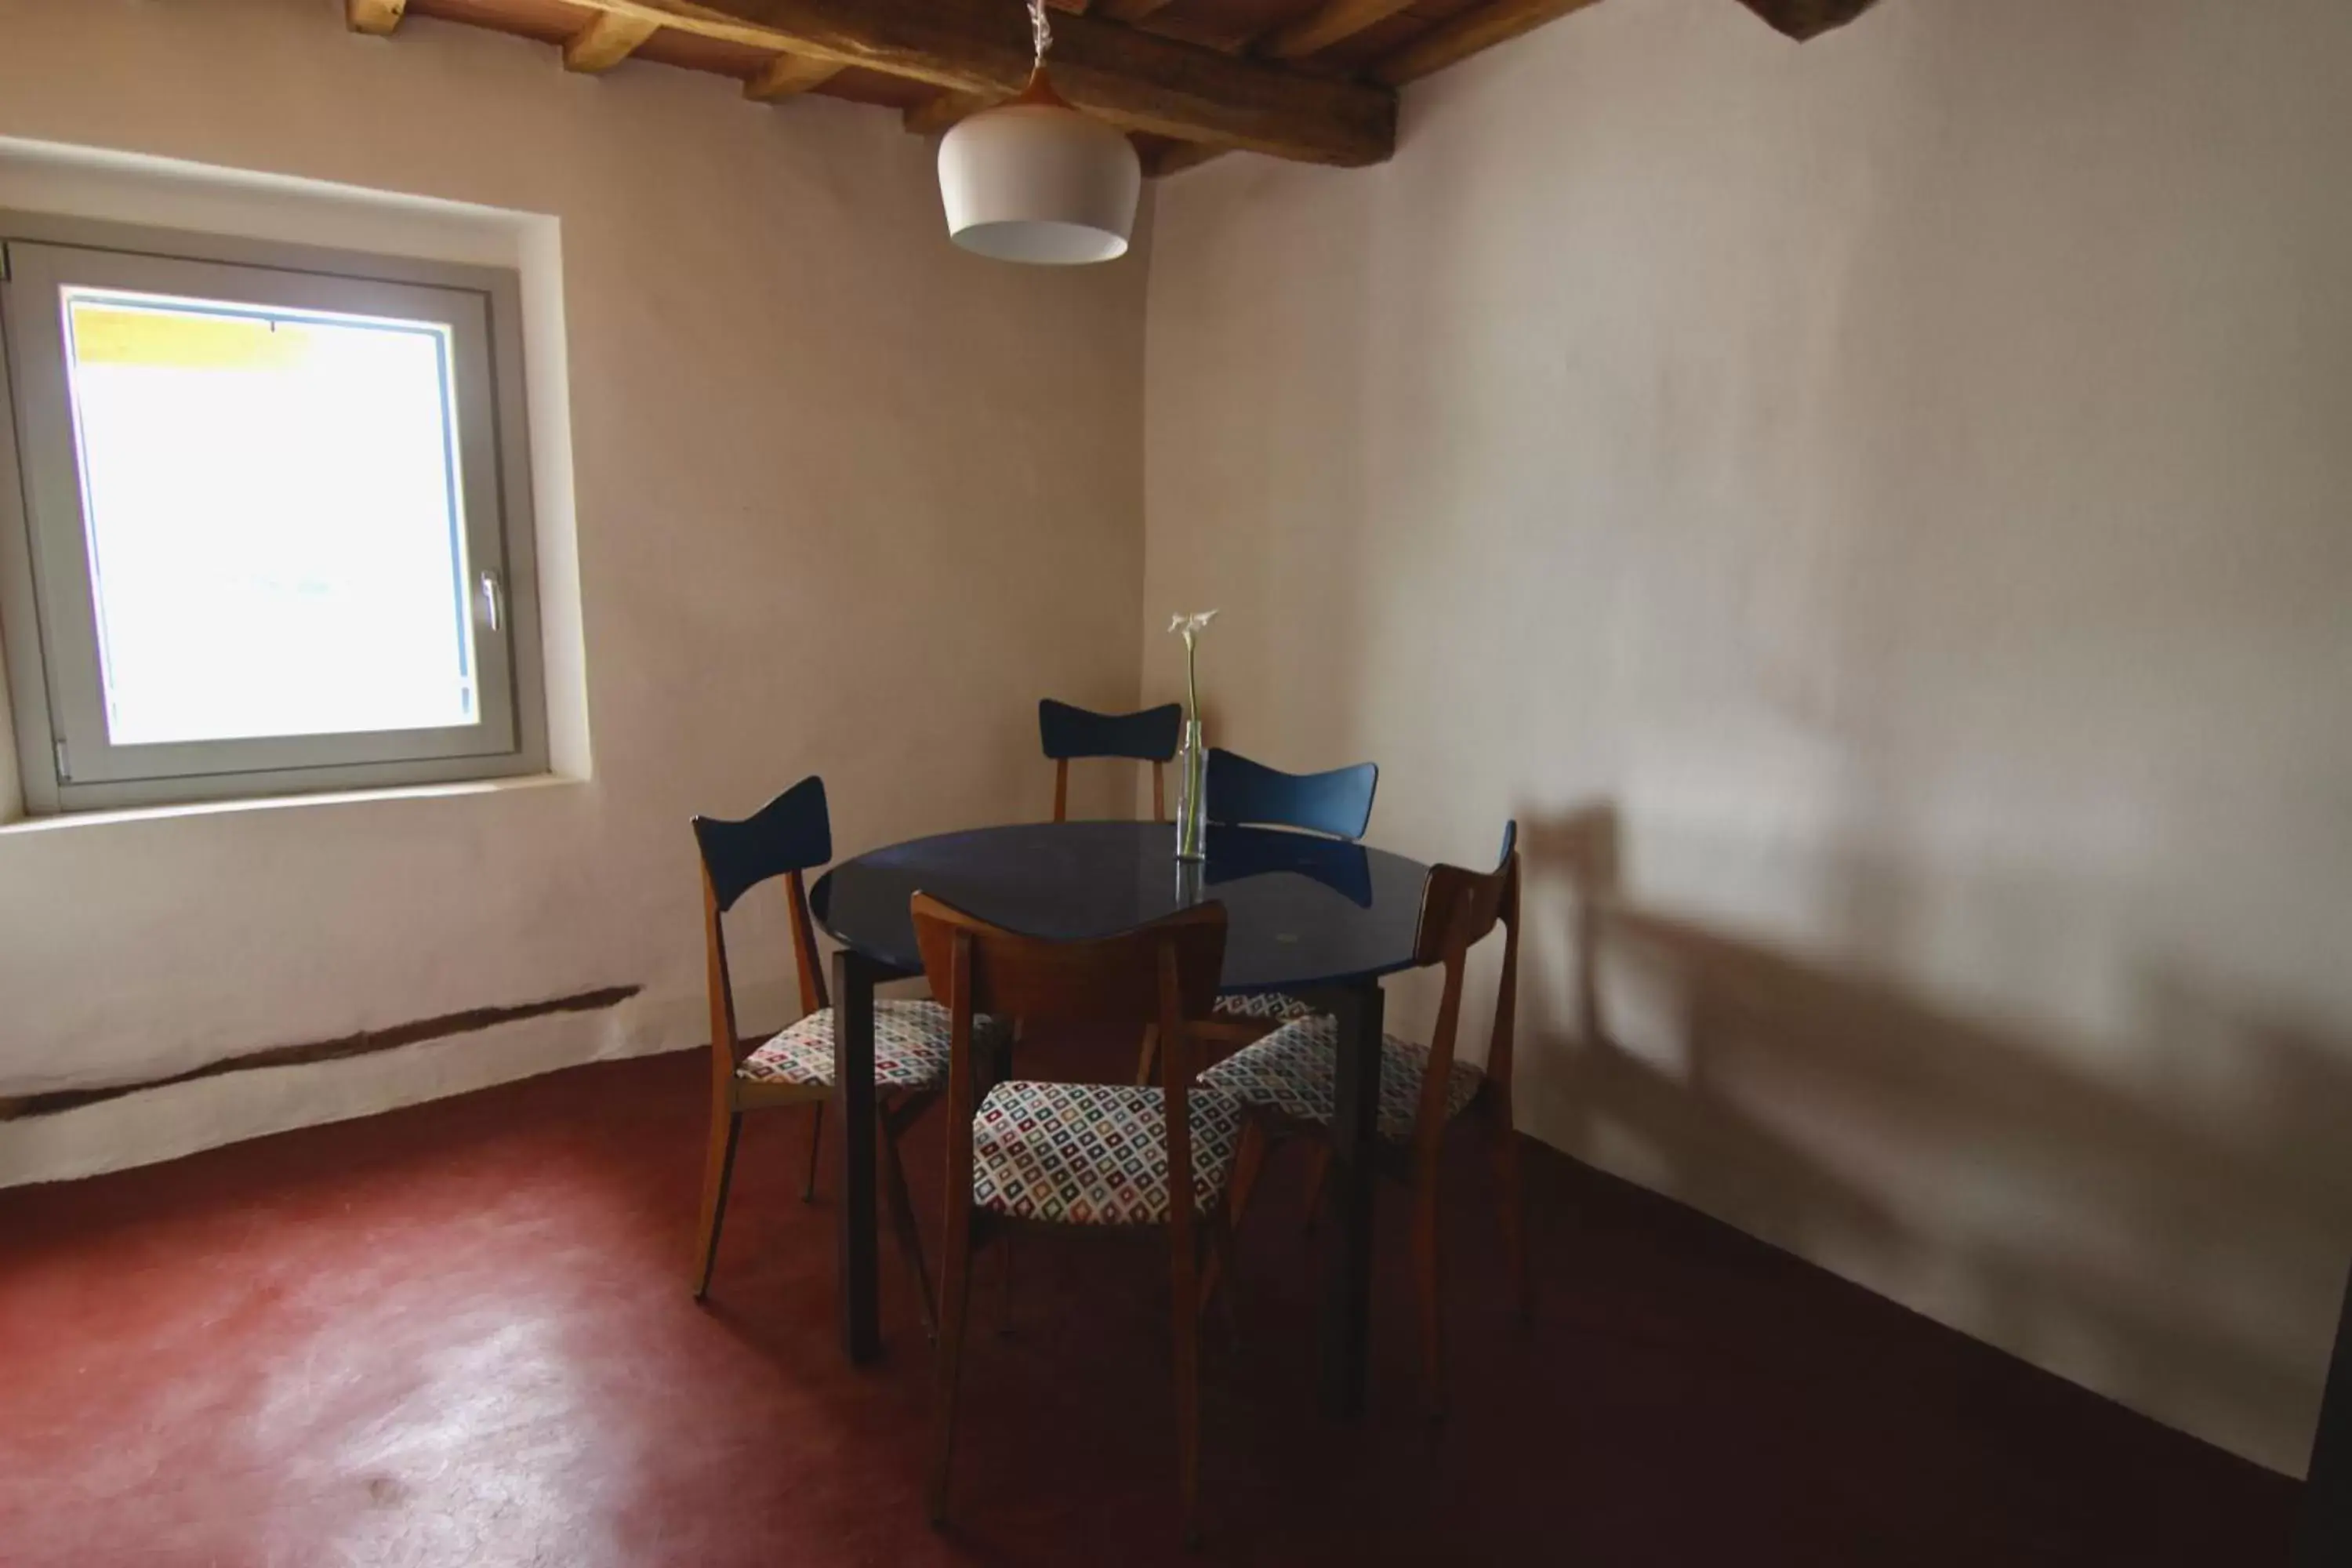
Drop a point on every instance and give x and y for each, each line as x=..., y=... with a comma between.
x=47, y=613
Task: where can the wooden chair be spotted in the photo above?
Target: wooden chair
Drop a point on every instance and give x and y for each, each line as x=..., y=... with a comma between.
x=786, y=838
x=1287, y=1081
x=1243, y=794
x=1080, y=1155
x=1069, y=735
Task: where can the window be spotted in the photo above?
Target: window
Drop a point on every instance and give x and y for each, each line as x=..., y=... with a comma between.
x=275, y=529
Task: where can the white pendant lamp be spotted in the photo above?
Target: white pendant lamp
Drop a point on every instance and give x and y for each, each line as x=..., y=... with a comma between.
x=1035, y=180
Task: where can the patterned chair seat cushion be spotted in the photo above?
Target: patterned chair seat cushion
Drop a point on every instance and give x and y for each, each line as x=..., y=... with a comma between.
x=910, y=1048
x=1094, y=1154
x=1271, y=1006
x=1293, y=1071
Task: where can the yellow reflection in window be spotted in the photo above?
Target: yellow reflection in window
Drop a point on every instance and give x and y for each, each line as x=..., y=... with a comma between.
x=176, y=340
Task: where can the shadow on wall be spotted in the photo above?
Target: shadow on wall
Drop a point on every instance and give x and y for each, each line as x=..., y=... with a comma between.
x=2170, y=1232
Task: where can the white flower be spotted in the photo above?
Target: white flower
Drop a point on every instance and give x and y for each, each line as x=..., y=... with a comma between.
x=1191, y=626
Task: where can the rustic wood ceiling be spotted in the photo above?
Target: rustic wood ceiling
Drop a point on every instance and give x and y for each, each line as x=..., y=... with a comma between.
x=1314, y=81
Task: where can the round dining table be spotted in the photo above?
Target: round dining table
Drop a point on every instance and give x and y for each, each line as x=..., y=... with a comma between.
x=1312, y=917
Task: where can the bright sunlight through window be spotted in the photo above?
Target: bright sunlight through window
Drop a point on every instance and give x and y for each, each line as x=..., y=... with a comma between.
x=277, y=542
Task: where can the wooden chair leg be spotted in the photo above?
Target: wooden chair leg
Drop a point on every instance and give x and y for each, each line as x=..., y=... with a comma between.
x=955, y=1297
x=1425, y=1288
x=1220, y=1267
x=1147, y=1064
x=1004, y=1282
x=816, y=1142
x=1249, y=1161
x=1185, y=1274
x=1318, y=1166
x=1504, y=1150
x=902, y=1222
x=718, y=1167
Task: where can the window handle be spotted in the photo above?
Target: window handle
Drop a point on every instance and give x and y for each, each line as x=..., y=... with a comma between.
x=493, y=599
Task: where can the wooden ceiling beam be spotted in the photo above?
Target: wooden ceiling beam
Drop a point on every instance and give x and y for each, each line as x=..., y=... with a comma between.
x=1177, y=156
x=377, y=17
x=1449, y=43
x=607, y=40
x=934, y=115
x=1134, y=79
x=1327, y=25
x=787, y=76
x=1500, y=21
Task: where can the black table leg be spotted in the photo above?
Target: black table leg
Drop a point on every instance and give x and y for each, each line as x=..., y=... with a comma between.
x=853, y=1135
x=1347, y=1187
x=2326, y=1539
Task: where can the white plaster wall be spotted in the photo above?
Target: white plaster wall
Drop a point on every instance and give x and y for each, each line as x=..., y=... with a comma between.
x=846, y=501
x=1904, y=482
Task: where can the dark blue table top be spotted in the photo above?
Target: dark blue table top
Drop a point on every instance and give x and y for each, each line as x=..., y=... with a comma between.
x=1301, y=910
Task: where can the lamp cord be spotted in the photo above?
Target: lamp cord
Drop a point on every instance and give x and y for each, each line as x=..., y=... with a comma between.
x=1040, y=31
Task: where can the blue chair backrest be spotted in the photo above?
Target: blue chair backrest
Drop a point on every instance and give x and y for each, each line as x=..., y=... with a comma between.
x=791, y=833
x=1247, y=794
x=1150, y=736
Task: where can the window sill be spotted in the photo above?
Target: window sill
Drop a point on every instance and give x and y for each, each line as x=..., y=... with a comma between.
x=67, y=821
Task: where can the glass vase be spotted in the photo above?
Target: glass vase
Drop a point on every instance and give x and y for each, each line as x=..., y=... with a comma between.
x=1191, y=795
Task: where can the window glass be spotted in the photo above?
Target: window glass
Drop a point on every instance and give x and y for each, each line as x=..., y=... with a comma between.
x=272, y=503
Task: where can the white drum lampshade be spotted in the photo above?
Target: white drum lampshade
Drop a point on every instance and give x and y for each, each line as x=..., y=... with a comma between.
x=1037, y=180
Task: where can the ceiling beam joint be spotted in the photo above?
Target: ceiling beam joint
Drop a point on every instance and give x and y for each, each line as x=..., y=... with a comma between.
x=787, y=76
x=607, y=40
x=1327, y=25
x=376, y=16
x=943, y=112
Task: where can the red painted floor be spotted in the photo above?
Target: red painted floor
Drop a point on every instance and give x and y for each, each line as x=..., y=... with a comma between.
x=458, y=1334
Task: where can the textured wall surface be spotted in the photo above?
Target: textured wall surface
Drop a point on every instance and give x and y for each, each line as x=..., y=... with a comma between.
x=1880, y=514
